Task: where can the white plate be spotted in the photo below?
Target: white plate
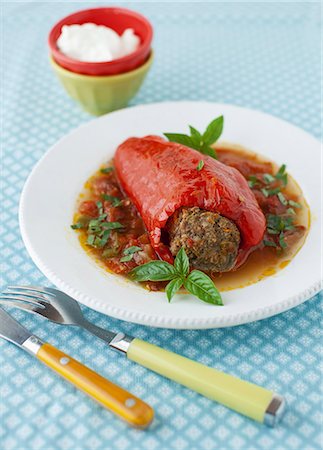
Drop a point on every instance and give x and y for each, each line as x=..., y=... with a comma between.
x=49, y=196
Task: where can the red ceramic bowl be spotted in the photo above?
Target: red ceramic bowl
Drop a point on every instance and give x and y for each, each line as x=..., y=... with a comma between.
x=116, y=18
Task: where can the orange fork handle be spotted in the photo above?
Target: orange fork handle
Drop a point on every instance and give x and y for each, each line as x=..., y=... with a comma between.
x=113, y=397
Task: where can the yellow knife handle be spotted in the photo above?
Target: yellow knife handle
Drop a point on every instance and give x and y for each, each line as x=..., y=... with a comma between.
x=113, y=397
x=246, y=398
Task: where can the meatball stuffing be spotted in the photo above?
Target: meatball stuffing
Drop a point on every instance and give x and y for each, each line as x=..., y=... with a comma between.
x=210, y=240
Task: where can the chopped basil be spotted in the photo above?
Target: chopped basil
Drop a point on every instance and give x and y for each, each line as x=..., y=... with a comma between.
x=126, y=258
x=90, y=239
x=99, y=230
x=129, y=252
x=273, y=191
x=106, y=170
x=265, y=192
x=277, y=225
x=269, y=243
x=110, y=198
x=294, y=204
x=282, y=198
x=282, y=175
x=77, y=226
x=253, y=181
x=268, y=178
x=200, y=165
x=282, y=242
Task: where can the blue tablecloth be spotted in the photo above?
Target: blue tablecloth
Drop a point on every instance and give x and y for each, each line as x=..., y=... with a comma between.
x=265, y=56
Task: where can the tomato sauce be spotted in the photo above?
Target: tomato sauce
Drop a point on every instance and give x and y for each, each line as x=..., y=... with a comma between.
x=127, y=245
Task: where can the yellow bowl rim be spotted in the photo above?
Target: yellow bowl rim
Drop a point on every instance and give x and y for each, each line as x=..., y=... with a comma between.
x=119, y=76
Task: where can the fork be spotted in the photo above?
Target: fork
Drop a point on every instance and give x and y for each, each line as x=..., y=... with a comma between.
x=242, y=396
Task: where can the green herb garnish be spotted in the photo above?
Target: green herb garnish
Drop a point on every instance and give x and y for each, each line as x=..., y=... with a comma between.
x=269, y=243
x=198, y=141
x=282, y=198
x=294, y=204
x=253, y=181
x=268, y=178
x=196, y=282
x=99, y=230
x=282, y=175
x=115, y=201
x=282, y=242
x=129, y=252
x=106, y=170
x=277, y=225
x=200, y=165
x=77, y=226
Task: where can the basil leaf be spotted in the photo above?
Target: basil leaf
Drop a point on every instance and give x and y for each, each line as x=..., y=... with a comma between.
x=111, y=225
x=294, y=204
x=181, y=263
x=180, y=139
x=200, y=285
x=268, y=178
x=110, y=198
x=200, y=165
x=273, y=191
x=253, y=181
x=131, y=250
x=77, y=226
x=195, y=134
x=213, y=131
x=105, y=238
x=172, y=287
x=282, y=242
x=282, y=198
x=126, y=258
x=90, y=239
x=106, y=170
x=154, y=271
x=282, y=175
x=269, y=243
x=207, y=150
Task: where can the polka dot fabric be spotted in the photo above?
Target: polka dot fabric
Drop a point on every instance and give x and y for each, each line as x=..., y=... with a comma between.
x=264, y=56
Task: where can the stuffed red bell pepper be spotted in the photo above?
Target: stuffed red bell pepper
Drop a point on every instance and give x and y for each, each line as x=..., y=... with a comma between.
x=205, y=207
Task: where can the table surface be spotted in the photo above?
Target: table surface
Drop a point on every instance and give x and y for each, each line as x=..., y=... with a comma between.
x=264, y=56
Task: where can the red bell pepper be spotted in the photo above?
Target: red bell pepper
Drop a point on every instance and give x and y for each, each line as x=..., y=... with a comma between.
x=161, y=176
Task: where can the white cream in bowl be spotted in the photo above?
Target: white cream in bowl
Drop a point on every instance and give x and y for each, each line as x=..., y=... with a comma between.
x=96, y=43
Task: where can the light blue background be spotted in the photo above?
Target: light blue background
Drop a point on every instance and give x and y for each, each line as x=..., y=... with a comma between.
x=260, y=55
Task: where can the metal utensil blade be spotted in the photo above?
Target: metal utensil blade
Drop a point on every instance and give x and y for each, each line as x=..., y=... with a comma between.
x=11, y=330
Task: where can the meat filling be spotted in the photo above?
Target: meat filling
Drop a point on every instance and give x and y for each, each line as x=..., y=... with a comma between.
x=210, y=240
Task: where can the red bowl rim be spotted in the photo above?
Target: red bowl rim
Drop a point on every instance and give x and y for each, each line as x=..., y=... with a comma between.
x=60, y=57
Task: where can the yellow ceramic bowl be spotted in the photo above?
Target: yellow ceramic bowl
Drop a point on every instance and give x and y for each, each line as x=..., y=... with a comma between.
x=100, y=95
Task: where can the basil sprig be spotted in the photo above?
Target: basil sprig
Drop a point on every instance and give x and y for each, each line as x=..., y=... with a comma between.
x=199, y=141
x=196, y=282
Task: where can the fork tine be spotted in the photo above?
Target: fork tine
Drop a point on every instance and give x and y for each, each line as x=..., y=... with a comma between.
x=40, y=290
x=11, y=301
x=8, y=291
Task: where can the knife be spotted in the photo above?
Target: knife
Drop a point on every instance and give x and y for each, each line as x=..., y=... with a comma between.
x=113, y=397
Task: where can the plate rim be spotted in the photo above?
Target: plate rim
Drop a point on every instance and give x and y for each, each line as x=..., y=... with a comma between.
x=149, y=319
